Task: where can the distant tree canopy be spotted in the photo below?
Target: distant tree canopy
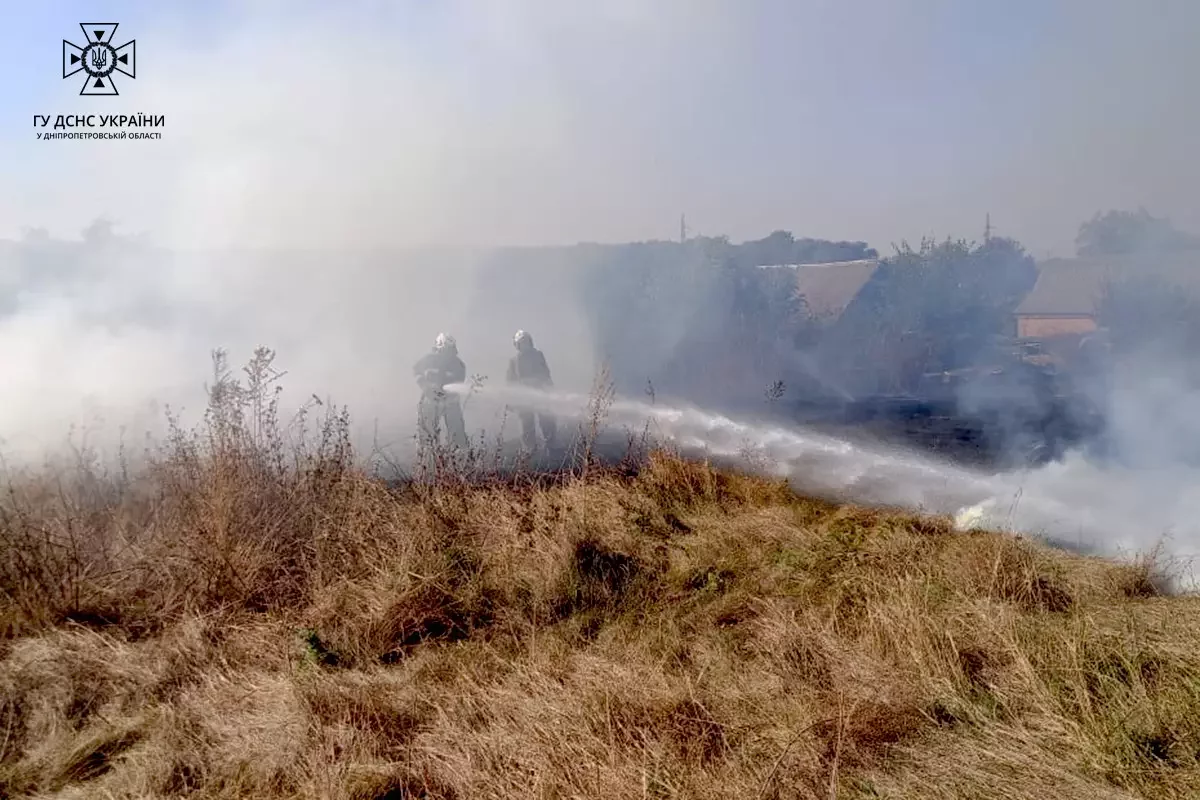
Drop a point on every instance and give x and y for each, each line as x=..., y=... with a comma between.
x=656, y=306
x=1121, y=232
x=1149, y=313
x=781, y=247
x=99, y=231
x=943, y=304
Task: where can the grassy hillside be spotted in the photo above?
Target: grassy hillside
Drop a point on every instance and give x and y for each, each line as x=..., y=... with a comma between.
x=244, y=619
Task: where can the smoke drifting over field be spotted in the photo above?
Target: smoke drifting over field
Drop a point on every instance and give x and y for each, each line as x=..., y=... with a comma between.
x=311, y=166
x=1148, y=500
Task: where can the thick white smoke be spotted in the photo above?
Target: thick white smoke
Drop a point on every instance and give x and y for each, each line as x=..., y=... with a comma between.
x=304, y=149
x=1112, y=509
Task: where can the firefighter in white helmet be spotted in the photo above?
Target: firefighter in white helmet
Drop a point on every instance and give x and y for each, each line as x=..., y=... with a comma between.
x=434, y=371
x=528, y=368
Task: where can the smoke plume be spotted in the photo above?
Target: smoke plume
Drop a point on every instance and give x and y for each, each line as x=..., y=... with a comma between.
x=334, y=183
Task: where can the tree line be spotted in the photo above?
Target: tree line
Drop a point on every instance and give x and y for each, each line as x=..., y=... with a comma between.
x=702, y=318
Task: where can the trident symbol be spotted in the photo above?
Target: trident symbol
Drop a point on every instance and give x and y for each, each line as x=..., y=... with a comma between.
x=98, y=58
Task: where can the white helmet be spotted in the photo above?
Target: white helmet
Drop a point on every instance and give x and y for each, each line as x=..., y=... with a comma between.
x=445, y=341
x=522, y=336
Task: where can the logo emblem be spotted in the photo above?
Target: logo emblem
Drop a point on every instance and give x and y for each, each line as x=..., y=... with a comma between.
x=99, y=59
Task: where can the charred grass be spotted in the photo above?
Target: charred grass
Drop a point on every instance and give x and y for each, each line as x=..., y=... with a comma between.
x=247, y=620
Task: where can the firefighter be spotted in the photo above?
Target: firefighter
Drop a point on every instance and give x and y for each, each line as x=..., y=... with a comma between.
x=434, y=371
x=528, y=368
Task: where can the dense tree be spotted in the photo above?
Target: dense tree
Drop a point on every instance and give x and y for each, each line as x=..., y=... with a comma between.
x=100, y=231
x=657, y=307
x=941, y=306
x=699, y=315
x=781, y=247
x=1144, y=313
x=1122, y=232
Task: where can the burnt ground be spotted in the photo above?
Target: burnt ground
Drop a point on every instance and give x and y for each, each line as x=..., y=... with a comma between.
x=982, y=438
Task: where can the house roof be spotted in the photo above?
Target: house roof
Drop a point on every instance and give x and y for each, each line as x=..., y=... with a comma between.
x=829, y=288
x=1073, y=286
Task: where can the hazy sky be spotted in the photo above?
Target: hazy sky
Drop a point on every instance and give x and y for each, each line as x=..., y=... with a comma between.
x=542, y=121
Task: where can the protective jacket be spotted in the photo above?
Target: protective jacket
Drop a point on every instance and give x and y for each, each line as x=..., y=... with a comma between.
x=528, y=368
x=437, y=369
x=437, y=406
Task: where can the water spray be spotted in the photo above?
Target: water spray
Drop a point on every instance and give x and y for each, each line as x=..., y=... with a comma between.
x=1071, y=503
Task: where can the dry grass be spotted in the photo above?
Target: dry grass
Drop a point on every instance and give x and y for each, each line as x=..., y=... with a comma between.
x=255, y=618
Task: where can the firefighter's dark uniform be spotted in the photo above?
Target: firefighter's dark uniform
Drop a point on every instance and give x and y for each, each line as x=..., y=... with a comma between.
x=528, y=368
x=434, y=371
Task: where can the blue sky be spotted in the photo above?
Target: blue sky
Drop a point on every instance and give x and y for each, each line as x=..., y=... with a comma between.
x=527, y=121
